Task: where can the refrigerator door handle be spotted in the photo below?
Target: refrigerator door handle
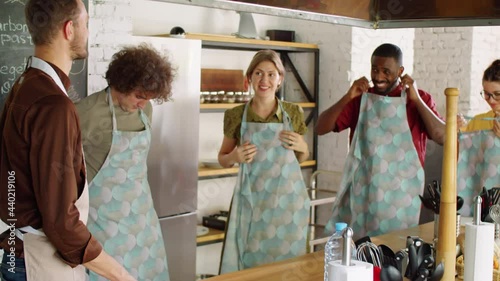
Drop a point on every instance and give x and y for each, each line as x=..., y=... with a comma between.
x=179, y=215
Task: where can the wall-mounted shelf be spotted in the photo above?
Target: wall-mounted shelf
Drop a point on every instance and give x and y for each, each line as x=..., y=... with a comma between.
x=287, y=52
x=216, y=236
x=234, y=43
x=213, y=236
x=204, y=172
x=221, y=106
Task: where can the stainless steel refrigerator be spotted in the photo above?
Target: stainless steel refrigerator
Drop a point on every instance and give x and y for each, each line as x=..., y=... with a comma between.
x=173, y=156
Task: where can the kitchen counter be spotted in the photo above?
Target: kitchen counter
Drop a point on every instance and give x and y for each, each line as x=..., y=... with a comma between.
x=309, y=267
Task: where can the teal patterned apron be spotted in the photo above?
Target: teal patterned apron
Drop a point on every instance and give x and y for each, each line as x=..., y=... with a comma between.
x=269, y=213
x=383, y=175
x=122, y=216
x=478, y=165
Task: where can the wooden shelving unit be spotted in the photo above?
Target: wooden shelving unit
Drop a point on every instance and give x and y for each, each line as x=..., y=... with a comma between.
x=311, y=93
x=222, y=106
x=233, y=42
x=216, y=236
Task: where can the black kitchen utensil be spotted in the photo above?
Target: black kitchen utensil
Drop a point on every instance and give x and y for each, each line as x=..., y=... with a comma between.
x=460, y=203
x=412, y=268
x=485, y=205
x=425, y=250
x=401, y=261
x=494, y=195
x=415, y=240
x=362, y=240
x=388, y=256
x=437, y=273
x=430, y=191
x=390, y=273
x=422, y=274
x=427, y=262
x=430, y=204
x=437, y=189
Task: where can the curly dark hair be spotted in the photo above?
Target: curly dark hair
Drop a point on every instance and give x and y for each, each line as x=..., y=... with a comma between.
x=43, y=17
x=492, y=73
x=141, y=68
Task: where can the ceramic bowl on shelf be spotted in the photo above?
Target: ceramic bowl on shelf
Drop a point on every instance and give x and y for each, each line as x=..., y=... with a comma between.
x=201, y=230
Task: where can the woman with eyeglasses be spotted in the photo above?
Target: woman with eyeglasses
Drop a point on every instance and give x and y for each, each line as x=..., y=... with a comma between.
x=491, y=93
x=479, y=144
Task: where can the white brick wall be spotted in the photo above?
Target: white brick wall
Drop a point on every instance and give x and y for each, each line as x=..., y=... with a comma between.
x=442, y=59
x=110, y=26
x=455, y=57
x=484, y=38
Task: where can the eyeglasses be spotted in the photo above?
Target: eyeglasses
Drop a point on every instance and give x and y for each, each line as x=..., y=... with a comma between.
x=487, y=96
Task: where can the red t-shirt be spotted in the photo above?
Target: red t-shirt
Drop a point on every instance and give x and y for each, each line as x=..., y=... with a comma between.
x=349, y=119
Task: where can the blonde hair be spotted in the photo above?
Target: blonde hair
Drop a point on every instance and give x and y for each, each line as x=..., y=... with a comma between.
x=266, y=55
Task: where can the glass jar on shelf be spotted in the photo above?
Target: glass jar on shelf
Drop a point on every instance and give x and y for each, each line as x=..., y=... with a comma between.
x=222, y=97
x=214, y=97
x=238, y=97
x=204, y=95
x=246, y=96
x=230, y=97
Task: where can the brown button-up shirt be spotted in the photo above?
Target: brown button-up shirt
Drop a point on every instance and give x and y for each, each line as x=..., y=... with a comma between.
x=42, y=172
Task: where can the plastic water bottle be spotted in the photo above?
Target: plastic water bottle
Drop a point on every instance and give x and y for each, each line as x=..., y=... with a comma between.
x=334, y=247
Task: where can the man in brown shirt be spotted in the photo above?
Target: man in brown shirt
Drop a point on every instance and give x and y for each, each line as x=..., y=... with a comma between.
x=43, y=190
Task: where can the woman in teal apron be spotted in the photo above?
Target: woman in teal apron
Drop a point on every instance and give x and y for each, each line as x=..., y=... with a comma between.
x=269, y=212
x=116, y=137
x=479, y=144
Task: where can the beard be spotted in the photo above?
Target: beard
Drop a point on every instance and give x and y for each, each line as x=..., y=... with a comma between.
x=78, y=49
x=390, y=86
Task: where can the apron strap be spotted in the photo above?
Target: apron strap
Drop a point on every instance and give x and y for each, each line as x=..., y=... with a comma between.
x=144, y=118
x=28, y=229
x=286, y=119
x=111, y=108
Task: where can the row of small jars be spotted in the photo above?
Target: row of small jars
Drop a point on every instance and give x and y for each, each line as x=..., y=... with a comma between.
x=224, y=97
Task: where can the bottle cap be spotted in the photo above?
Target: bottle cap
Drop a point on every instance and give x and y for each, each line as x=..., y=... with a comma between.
x=339, y=226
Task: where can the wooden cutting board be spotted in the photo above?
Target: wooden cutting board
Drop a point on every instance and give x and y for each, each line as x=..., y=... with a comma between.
x=222, y=80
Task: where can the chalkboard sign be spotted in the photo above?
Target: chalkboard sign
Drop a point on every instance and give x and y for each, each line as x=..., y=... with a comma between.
x=16, y=46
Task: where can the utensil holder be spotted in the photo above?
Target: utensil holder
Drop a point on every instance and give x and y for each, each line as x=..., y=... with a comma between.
x=358, y=270
x=478, y=256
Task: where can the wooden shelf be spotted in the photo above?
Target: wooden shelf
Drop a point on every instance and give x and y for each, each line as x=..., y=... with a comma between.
x=233, y=42
x=316, y=236
x=204, y=172
x=213, y=236
x=231, y=105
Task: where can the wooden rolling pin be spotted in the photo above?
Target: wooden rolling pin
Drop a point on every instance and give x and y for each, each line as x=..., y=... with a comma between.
x=446, y=251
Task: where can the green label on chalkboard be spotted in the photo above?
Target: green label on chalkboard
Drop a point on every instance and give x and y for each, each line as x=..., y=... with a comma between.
x=16, y=46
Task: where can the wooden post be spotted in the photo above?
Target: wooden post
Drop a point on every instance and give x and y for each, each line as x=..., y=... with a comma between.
x=447, y=239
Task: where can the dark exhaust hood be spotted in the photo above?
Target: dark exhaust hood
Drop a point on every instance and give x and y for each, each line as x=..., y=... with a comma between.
x=370, y=14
